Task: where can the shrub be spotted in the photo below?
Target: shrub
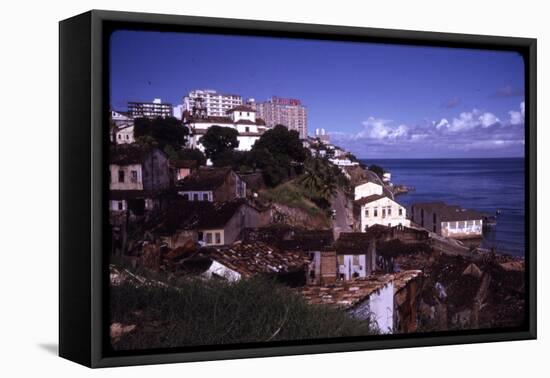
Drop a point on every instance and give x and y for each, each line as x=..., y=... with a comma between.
x=218, y=312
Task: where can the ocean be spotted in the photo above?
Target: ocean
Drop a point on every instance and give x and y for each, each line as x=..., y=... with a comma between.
x=486, y=185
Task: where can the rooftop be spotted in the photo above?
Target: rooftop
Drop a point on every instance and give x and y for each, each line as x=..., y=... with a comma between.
x=205, y=178
x=291, y=238
x=348, y=294
x=254, y=258
x=240, y=108
x=369, y=199
x=129, y=153
x=449, y=213
x=189, y=215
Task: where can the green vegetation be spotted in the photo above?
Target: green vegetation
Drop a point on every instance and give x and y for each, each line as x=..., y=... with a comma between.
x=321, y=180
x=294, y=195
x=186, y=154
x=378, y=170
x=219, y=141
x=278, y=153
x=160, y=132
x=217, y=312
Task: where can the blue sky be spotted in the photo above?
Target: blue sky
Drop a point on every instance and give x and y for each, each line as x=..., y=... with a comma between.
x=376, y=100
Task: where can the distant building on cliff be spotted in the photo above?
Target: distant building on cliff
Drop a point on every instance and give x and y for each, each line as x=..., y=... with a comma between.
x=448, y=220
x=241, y=118
x=150, y=109
x=216, y=104
x=288, y=112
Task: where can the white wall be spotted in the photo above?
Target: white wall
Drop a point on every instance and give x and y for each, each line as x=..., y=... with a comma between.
x=379, y=213
x=367, y=189
x=378, y=308
x=29, y=341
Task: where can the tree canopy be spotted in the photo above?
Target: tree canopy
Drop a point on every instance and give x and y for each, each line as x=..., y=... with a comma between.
x=161, y=132
x=378, y=170
x=282, y=143
x=219, y=140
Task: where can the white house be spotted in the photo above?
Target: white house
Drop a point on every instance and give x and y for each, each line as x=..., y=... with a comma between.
x=448, y=220
x=241, y=118
x=367, y=189
x=123, y=135
x=379, y=209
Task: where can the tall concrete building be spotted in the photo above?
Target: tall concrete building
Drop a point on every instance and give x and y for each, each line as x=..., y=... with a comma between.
x=216, y=104
x=288, y=112
x=150, y=109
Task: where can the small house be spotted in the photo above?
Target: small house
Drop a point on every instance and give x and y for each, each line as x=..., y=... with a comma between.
x=208, y=223
x=379, y=209
x=388, y=301
x=448, y=220
x=212, y=185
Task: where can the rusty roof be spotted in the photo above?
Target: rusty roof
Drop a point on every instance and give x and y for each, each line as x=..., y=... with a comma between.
x=123, y=154
x=447, y=213
x=255, y=258
x=369, y=199
x=204, y=179
x=194, y=215
x=345, y=294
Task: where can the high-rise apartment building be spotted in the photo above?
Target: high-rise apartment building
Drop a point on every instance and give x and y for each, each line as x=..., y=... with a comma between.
x=288, y=112
x=150, y=109
x=216, y=104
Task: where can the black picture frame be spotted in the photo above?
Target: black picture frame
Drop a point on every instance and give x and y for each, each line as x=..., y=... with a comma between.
x=83, y=105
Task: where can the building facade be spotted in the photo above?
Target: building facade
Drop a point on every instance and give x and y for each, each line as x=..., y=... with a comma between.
x=212, y=185
x=379, y=209
x=241, y=118
x=448, y=220
x=216, y=104
x=283, y=111
x=150, y=109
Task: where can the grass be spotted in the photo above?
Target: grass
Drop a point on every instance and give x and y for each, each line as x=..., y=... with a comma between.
x=292, y=195
x=217, y=312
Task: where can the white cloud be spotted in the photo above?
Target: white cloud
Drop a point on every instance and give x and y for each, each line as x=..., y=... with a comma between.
x=468, y=121
x=488, y=119
x=517, y=117
x=442, y=124
x=522, y=107
x=378, y=128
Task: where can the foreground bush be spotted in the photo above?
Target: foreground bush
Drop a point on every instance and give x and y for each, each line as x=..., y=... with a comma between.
x=217, y=312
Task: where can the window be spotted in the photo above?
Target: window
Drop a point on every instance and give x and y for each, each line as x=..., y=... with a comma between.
x=120, y=205
x=205, y=197
x=400, y=211
x=375, y=213
x=218, y=238
x=389, y=211
x=200, y=236
x=383, y=213
x=208, y=238
x=186, y=197
x=367, y=213
x=247, y=129
x=133, y=176
x=196, y=197
x=120, y=176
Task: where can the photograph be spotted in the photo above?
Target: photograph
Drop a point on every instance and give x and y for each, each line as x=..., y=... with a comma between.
x=268, y=189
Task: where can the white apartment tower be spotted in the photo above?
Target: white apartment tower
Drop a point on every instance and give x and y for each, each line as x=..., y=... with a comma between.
x=216, y=104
